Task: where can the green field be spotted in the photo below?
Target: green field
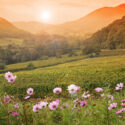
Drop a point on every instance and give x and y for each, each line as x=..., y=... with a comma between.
x=52, y=61
x=88, y=73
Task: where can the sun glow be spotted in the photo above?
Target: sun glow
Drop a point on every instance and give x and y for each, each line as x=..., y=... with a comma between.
x=46, y=16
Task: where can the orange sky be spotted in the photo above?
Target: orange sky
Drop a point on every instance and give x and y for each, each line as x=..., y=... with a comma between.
x=61, y=10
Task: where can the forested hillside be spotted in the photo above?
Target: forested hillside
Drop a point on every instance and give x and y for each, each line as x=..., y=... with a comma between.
x=111, y=37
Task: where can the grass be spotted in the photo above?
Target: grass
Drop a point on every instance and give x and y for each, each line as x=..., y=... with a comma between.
x=88, y=73
x=42, y=63
x=52, y=61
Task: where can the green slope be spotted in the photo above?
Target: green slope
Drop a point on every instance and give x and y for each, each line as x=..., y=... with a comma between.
x=89, y=73
x=112, y=36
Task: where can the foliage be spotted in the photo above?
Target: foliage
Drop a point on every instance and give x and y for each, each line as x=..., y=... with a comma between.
x=2, y=66
x=111, y=37
x=30, y=66
x=88, y=73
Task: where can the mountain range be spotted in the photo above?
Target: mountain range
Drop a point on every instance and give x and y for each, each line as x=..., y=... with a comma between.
x=88, y=24
x=111, y=37
x=7, y=29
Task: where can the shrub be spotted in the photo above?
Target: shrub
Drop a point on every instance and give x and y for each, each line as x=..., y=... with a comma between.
x=2, y=66
x=30, y=66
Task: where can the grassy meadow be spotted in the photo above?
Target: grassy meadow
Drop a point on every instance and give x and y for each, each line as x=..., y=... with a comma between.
x=88, y=73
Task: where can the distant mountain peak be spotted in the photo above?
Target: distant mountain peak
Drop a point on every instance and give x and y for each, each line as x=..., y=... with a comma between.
x=122, y=5
x=2, y=20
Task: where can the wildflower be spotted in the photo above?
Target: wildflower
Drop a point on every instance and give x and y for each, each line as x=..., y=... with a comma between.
x=27, y=97
x=54, y=105
x=10, y=111
x=120, y=111
x=7, y=99
x=73, y=89
x=12, y=79
x=16, y=105
x=36, y=108
x=57, y=101
x=15, y=113
x=123, y=103
x=83, y=103
x=8, y=75
x=123, y=100
x=102, y=95
x=98, y=89
x=43, y=104
x=112, y=106
x=78, y=89
x=119, y=86
x=57, y=90
x=86, y=95
x=30, y=91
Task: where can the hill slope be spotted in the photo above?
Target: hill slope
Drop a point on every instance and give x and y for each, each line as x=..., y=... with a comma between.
x=93, y=21
x=9, y=30
x=88, y=24
x=33, y=27
x=112, y=36
x=89, y=74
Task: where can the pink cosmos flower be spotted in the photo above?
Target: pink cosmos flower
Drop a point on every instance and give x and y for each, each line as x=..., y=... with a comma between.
x=7, y=99
x=112, y=106
x=10, y=111
x=57, y=90
x=86, y=95
x=57, y=101
x=83, y=103
x=102, y=95
x=120, y=111
x=98, y=89
x=27, y=97
x=123, y=105
x=12, y=79
x=42, y=104
x=119, y=86
x=30, y=91
x=54, y=105
x=8, y=75
x=73, y=89
x=15, y=113
x=36, y=108
x=78, y=89
x=123, y=100
x=16, y=105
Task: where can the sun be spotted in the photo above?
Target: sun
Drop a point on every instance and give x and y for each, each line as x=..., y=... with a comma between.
x=46, y=16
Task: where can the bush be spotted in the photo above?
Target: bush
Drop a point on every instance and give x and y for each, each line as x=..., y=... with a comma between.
x=2, y=66
x=90, y=49
x=30, y=66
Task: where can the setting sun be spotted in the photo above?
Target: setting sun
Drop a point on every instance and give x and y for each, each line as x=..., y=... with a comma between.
x=45, y=16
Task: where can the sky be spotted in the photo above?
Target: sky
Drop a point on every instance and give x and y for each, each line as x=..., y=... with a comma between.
x=51, y=11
